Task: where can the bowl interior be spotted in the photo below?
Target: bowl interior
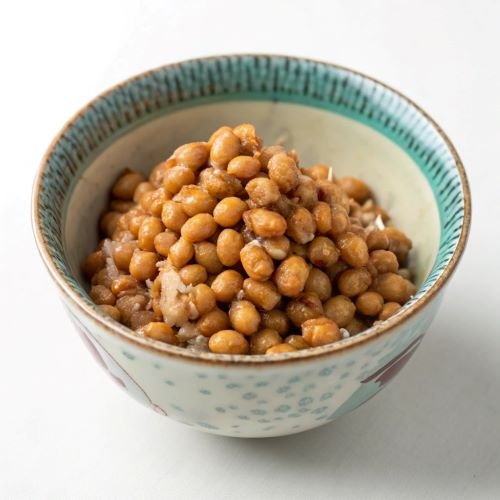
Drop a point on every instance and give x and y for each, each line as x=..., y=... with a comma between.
x=350, y=147
x=329, y=114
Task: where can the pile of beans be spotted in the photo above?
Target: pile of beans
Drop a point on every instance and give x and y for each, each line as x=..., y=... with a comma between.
x=231, y=247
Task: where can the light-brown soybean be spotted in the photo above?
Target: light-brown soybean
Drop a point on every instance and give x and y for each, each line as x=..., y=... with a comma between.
x=319, y=283
x=250, y=143
x=177, y=177
x=109, y=222
x=394, y=288
x=192, y=155
x=355, y=326
x=142, y=187
x=143, y=265
x=121, y=206
x=225, y=147
x=173, y=215
x=128, y=304
x=352, y=282
x=228, y=342
x=331, y=192
x=277, y=247
x=276, y=319
x=203, y=298
x=355, y=188
x=369, y=303
x=267, y=153
x=229, y=245
x=280, y=348
x=228, y=212
x=181, y=252
x=112, y=311
x=212, y=322
x=122, y=254
x=340, y=220
x=384, y=261
x=216, y=134
x=405, y=273
x=102, y=295
x=353, y=249
x=322, y=215
x=399, y=243
x=93, y=263
x=158, y=173
x=124, y=187
x=195, y=200
x=244, y=317
x=125, y=283
x=377, y=239
x=305, y=306
x=317, y=172
x=159, y=331
x=227, y=285
x=284, y=172
x=199, y=228
x=132, y=221
x=263, y=191
x=388, y=310
x=306, y=192
x=291, y=276
x=340, y=309
x=320, y=331
x=297, y=341
x=152, y=201
x=139, y=319
x=219, y=183
x=358, y=230
x=284, y=206
x=193, y=274
x=102, y=277
x=205, y=253
x=163, y=241
x=262, y=340
x=244, y=167
x=322, y=252
x=265, y=223
x=256, y=262
x=263, y=294
x=150, y=227
x=301, y=227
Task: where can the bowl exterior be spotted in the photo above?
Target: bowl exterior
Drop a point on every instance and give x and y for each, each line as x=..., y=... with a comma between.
x=254, y=401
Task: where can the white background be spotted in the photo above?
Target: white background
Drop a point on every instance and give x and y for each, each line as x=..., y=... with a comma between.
x=65, y=430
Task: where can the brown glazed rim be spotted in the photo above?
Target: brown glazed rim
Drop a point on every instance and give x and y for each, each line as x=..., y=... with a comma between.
x=103, y=320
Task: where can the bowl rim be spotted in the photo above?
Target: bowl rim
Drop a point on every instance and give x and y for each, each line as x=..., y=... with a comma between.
x=386, y=327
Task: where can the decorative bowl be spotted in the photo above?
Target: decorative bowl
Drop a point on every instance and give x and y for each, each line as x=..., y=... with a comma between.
x=329, y=114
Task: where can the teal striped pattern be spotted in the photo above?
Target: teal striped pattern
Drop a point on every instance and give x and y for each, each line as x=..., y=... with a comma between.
x=250, y=77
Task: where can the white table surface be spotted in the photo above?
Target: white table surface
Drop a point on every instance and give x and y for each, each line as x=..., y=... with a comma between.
x=66, y=432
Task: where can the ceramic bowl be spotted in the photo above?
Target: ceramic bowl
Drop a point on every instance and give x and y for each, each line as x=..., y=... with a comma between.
x=329, y=114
